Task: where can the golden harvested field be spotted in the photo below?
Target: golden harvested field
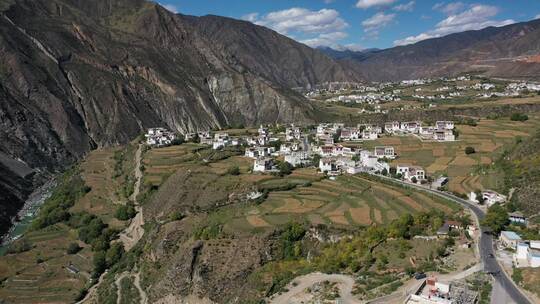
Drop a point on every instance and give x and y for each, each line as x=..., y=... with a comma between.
x=256, y=221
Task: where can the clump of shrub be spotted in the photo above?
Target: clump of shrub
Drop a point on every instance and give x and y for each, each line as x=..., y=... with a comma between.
x=519, y=117
x=234, y=170
x=469, y=150
x=126, y=212
x=73, y=248
x=55, y=209
x=176, y=216
x=19, y=246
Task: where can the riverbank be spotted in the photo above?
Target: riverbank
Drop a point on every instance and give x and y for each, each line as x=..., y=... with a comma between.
x=26, y=215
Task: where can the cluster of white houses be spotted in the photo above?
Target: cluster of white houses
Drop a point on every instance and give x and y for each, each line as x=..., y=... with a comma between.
x=300, y=147
x=334, y=158
x=441, y=131
x=159, y=137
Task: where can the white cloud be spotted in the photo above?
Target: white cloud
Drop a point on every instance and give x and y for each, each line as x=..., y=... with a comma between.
x=326, y=39
x=171, y=8
x=314, y=28
x=301, y=20
x=350, y=47
x=537, y=16
x=449, y=8
x=364, y=4
x=373, y=24
x=405, y=7
x=474, y=18
x=251, y=17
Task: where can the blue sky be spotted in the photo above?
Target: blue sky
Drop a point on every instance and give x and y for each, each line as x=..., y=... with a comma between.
x=359, y=24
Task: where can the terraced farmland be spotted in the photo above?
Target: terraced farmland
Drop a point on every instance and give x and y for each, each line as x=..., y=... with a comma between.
x=39, y=275
x=347, y=201
x=489, y=138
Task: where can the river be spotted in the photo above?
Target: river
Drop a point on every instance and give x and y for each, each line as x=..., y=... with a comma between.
x=26, y=215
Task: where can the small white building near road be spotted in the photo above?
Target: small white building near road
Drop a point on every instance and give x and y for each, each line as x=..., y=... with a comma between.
x=491, y=197
x=509, y=239
x=517, y=218
x=409, y=172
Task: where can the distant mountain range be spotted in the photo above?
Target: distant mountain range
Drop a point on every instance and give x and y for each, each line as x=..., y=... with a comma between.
x=346, y=54
x=511, y=51
x=77, y=74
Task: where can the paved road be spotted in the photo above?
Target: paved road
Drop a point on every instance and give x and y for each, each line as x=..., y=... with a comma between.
x=485, y=244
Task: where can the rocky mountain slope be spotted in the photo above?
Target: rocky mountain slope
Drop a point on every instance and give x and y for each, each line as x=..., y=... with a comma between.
x=510, y=51
x=76, y=75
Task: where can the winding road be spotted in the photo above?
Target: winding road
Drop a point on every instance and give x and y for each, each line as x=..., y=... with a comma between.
x=485, y=245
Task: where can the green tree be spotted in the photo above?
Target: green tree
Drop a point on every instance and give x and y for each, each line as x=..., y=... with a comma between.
x=315, y=160
x=73, y=248
x=464, y=220
x=234, y=170
x=100, y=264
x=285, y=168
x=126, y=212
x=114, y=254
x=178, y=140
x=469, y=150
x=496, y=218
x=480, y=197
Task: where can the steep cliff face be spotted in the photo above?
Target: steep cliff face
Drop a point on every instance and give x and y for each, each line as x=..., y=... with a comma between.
x=76, y=75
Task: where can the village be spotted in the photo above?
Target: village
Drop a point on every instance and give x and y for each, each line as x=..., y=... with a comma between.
x=421, y=90
x=300, y=146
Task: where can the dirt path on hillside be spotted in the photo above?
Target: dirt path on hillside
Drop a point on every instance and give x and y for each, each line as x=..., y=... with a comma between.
x=91, y=295
x=134, y=232
x=129, y=237
x=119, y=286
x=295, y=294
x=136, y=282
